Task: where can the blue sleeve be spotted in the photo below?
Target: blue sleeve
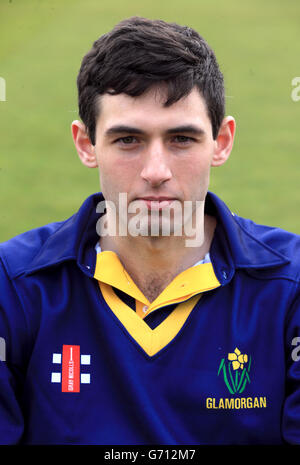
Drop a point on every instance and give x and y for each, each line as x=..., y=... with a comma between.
x=291, y=408
x=13, y=341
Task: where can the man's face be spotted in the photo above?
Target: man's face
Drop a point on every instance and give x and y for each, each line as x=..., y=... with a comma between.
x=152, y=153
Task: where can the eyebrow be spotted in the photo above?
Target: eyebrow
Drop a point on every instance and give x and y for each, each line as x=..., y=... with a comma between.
x=188, y=128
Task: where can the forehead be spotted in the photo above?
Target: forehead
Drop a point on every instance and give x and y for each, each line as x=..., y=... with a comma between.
x=147, y=110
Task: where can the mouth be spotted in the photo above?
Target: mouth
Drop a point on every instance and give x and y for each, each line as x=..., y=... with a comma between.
x=157, y=203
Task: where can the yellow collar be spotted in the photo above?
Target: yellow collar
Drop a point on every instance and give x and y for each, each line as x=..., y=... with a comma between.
x=194, y=280
x=185, y=290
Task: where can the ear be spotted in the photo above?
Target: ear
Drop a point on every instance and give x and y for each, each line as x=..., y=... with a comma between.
x=224, y=141
x=84, y=147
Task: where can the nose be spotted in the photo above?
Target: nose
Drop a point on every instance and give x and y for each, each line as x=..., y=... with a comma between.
x=156, y=169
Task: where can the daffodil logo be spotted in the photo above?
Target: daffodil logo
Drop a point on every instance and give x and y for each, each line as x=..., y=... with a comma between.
x=235, y=371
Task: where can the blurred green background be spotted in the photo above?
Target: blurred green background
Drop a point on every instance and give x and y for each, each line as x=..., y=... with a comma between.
x=42, y=43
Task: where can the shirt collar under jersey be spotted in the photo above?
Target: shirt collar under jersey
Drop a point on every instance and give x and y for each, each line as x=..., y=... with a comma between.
x=195, y=280
x=206, y=259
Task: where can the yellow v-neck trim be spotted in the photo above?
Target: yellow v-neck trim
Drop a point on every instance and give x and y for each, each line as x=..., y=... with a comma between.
x=185, y=290
x=110, y=270
x=194, y=280
x=150, y=340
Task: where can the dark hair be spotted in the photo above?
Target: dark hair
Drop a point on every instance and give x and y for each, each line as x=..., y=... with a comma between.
x=138, y=53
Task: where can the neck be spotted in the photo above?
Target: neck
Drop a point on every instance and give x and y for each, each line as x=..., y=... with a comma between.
x=153, y=262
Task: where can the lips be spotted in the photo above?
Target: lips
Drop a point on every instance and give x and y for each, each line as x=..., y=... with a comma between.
x=157, y=203
x=157, y=199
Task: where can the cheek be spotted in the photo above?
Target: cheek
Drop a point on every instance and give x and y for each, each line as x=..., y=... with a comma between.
x=193, y=169
x=107, y=180
x=193, y=176
x=117, y=177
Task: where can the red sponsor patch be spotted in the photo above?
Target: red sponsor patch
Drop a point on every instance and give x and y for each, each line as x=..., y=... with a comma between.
x=70, y=369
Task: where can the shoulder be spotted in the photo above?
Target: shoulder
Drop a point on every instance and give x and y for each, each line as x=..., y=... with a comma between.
x=18, y=252
x=52, y=243
x=277, y=241
x=276, y=238
x=251, y=242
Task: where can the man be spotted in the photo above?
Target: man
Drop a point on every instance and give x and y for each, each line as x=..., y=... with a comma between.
x=179, y=324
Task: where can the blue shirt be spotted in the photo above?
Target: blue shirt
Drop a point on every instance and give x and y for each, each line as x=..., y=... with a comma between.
x=75, y=373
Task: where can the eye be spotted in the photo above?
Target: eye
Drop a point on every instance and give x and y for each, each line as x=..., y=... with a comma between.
x=127, y=140
x=183, y=139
